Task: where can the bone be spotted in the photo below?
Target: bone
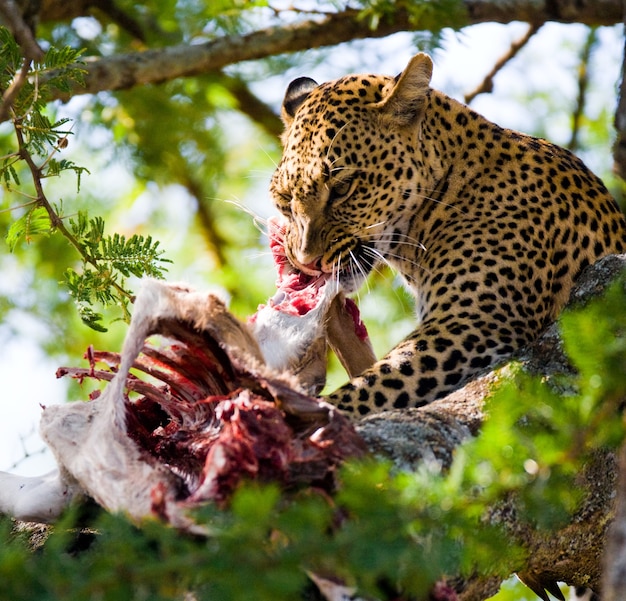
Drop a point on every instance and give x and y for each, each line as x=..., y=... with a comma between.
x=295, y=344
x=354, y=352
x=89, y=440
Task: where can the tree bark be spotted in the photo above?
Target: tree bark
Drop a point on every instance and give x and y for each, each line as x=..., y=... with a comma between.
x=156, y=66
x=590, y=12
x=614, y=578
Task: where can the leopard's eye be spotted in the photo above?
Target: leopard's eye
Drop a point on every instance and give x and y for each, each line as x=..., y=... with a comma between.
x=342, y=188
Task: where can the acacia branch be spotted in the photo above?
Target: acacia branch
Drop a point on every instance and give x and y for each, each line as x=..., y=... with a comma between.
x=486, y=86
x=56, y=222
x=583, y=84
x=619, y=149
x=156, y=66
x=10, y=94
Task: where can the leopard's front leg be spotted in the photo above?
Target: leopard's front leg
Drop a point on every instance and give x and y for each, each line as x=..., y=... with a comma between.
x=442, y=354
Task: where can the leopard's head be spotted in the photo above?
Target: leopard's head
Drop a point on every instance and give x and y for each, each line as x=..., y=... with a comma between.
x=348, y=169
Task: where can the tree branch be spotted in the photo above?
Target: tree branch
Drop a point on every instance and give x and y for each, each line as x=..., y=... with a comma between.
x=486, y=86
x=572, y=554
x=250, y=105
x=10, y=94
x=619, y=149
x=12, y=16
x=56, y=222
x=614, y=583
x=588, y=12
x=583, y=84
x=156, y=66
x=123, y=19
x=215, y=242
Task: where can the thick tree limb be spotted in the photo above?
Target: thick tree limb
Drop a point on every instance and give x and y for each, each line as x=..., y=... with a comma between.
x=589, y=12
x=156, y=66
x=614, y=580
x=573, y=554
x=20, y=26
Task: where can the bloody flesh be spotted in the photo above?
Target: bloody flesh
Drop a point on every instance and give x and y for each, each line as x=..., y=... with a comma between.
x=297, y=293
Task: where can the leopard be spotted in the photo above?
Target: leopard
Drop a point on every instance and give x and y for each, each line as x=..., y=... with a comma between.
x=488, y=227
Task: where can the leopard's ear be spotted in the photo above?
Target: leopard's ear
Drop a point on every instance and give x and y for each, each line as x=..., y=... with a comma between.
x=296, y=94
x=404, y=98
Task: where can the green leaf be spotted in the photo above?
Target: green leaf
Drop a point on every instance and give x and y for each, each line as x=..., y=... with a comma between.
x=55, y=168
x=90, y=317
x=8, y=172
x=34, y=222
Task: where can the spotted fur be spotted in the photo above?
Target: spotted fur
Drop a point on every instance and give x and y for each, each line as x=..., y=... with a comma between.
x=489, y=227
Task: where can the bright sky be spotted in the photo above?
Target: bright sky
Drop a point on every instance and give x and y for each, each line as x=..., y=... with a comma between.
x=28, y=377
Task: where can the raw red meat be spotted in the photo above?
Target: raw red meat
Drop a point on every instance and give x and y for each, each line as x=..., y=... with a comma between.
x=299, y=293
x=212, y=421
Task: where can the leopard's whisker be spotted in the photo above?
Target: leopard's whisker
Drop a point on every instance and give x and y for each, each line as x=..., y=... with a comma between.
x=384, y=258
x=358, y=266
x=336, y=272
x=393, y=237
x=333, y=141
x=257, y=254
x=378, y=224
x=257, y=175
x=377, y=255
x=269, y=156
x=260, y=223
x=374, y=263
x=390, y=235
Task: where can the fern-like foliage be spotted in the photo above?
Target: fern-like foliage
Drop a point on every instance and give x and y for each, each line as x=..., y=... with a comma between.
x=32, y=223
x=57, y=70
x=106, y=260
